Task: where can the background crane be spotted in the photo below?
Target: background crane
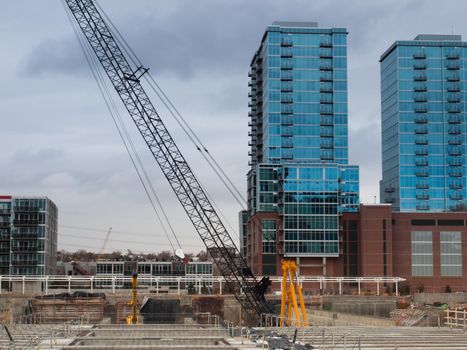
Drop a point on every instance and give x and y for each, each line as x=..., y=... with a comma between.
x=125, y=78
x=104, y=243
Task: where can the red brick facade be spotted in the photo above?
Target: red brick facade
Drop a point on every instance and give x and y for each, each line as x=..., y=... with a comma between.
x=373, y=243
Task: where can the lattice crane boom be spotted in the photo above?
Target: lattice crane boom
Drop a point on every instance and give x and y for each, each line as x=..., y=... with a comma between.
x=126, y=81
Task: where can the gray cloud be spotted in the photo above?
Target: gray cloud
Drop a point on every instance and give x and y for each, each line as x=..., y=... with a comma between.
x=60, y=142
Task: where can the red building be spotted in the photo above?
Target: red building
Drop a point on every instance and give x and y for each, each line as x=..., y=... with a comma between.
x=427, y=249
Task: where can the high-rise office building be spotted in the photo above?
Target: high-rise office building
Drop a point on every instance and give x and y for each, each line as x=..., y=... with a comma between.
x=28, y=236
x=423, y=86
x=299, y=181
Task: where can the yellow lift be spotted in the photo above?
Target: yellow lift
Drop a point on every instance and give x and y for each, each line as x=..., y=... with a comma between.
x=290, y=289
x=133, y=318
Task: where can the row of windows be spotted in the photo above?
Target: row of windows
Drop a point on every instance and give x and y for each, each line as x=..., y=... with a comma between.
x=422, y=253
x=304, y=119
x=339, y=76
x=318, y=248
x=307, y=51
x=310, y=39
x=429, y=51
x=336, y=108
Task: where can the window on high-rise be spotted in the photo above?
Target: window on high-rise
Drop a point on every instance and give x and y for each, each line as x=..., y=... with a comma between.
x=451, y=253
x=422, y=253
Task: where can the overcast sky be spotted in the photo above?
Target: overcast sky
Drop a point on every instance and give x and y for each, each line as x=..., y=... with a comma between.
x=58, y=139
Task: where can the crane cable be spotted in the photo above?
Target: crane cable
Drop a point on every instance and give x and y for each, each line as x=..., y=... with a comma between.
x=215, y=166
x=125, y=137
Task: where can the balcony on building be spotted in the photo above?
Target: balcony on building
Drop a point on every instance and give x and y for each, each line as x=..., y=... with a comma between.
x=286, y=64
x=326, y=99
x=286, y=120
x=454, y=152
x=421, y=130
x=419, y=55
x=326, y=121
x=456, y=196
x=454, y=131
x=453, y=88
x=286, y=41
x=420, y=109
x=26, y=249
x=455, y=173
x=325, y=53
x=325, y=110
x=25, y=222
x=453, y=55
x=453, y=65
x=455, y=185
x=419, y=65
x=326, y=155
x=422, y=207
x=326, y=67
x=421, y=141
x=419, y=77
x=326, y=144
x=24, y=262
x=325, y=77
x=454, y=119
x=453, y=77
x=422, y=196
x=421, y=120
x=420, y=98
x=287, y=132
x=286, y=75
x=326, y=88
x=326, y=133
x=455, y=162
x=286, y=87
x=421, y=173
x=286, y=108
x=390, y=189
x=287, y=143
x=421, y=162
x=422, y=186
x=286, y=52
x=421, y=151
x=454, y=109
x=454, y=98
x=420, y=88
x=455, y=141
x=325, y=43
x=286, y=98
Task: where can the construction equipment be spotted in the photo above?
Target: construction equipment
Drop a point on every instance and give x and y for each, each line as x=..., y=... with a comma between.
x=125, y=78
x=104, y=243
x=133, y=318
x=290, y=289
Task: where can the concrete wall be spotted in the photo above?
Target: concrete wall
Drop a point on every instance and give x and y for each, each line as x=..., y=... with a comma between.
x=327, y=318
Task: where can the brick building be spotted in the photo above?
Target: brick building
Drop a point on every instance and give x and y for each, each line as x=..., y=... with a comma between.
x=424, y=248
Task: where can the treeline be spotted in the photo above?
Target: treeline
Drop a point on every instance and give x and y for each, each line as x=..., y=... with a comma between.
x=84, y=255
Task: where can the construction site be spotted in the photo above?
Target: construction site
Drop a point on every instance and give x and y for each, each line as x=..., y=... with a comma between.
x=312, y=281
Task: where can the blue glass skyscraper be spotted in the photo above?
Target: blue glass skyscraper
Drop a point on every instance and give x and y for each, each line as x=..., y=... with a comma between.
x=299, y=139
x=423, y=86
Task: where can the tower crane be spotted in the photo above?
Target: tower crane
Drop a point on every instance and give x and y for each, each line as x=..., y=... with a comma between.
x=125, y=78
